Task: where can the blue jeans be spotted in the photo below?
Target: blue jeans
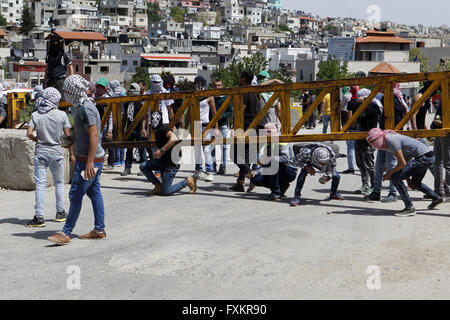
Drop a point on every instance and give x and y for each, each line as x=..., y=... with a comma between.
x=207, y=150
x=119, y=156
x=301, y=181
x=225, y=147
x=350, y=154
x=325, y=121
x=416, y=169
x=56, y=164
x=91, y=188
x=168, y=173
x=385, y=161
x=276, y=182
x=442, y=163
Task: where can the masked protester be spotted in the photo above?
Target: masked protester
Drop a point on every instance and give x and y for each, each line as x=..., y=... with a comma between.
x=116, y=90
x=3, y=107
x=165, y=106
x=413, y=160
x=131, y=110
x=162, y=161
x=276, y=169
x=89, y=156
x=58, y=64
x=49, y=123
x=316, y=156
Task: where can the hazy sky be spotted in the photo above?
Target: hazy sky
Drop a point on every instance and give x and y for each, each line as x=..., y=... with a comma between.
x=412, y=12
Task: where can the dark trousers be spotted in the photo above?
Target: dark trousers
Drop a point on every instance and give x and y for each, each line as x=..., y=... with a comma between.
x=416, y=169
x=57, y=84
x=135, y=136
x=311, y=122
x=276, y=182
x=301, y=182
x=365, y=160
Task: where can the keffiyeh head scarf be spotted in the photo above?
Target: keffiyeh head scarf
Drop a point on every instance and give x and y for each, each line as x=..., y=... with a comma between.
x=398, y=93
x=364, y=93
x=157, y=84
x=75, y=89
x=377, y=138
x=135, y=90
x=50, y=98
x=320, y=157
x=115, y=89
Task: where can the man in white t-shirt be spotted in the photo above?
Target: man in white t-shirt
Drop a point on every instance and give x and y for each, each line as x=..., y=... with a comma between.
x=165, y=106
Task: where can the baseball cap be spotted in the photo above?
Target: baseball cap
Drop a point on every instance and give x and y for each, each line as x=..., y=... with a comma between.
x=103, y=82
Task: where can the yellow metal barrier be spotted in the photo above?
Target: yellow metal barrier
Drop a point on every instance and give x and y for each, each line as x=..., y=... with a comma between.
x=16, y=103
x=190, y=106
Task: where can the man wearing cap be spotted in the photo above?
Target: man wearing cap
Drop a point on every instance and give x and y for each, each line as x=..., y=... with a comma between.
x=316, y=156
x=101, y=92
x=89, y=161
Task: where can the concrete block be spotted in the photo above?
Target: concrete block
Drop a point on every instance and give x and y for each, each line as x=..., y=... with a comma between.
x=16, y=161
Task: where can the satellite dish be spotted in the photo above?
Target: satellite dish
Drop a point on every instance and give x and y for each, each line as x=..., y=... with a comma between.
x=22, y=62
x=159, y=32
x=30, y=54
x=25, y=54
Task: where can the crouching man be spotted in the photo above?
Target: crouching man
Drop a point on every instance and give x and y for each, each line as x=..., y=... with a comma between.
x=278, y=181
x=162, y=161
x=316, y=156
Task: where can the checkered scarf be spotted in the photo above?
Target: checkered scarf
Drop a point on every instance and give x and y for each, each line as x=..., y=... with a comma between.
x=75, y=89
x=50, y=98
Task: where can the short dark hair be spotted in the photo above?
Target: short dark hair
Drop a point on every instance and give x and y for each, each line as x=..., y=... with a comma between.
x=248, y=76
x=169, y=80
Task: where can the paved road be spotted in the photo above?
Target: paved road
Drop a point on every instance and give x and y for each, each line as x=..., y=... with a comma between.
x=222, y=245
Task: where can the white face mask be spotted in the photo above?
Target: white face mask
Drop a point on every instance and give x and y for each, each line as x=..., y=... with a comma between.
x=156, y=87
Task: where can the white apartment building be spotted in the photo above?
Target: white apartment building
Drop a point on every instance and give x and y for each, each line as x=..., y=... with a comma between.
x=12, y=10
x=233, y=11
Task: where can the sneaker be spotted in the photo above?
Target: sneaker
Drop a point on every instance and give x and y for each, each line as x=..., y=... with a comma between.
x=435, y=203
x=349, y=171
x=117, y=164
x=271, y=197
x=35, y=223
x=407, y=212
x=222, y=170
x=336, y=196
x=283, y=190
x=295, y=202
x=126, y=172
x=192, y=184
x=390, y=198
x=59, y=238
x=374, y=196
x=122, y=163
x=108, y=167
x=237, y=187
x=199, y=175
x=94, y=234
x=366, y=190
x=61, y=216
x=209, y=177
x=251, y=187
x=156, y=191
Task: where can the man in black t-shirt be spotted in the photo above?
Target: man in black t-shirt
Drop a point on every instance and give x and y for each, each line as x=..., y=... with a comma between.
x=251, y=106
x=162, y=161
x=131, y=109
x=58, y=63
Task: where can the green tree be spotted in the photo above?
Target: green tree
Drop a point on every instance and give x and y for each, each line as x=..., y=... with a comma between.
x=332, y=69
x=178, y=14
x=415, y=54
x=283, y=27
x=3, y=21
x=141, y=75
x=153, y=12
x=27, y=21
x=201, y=17
x=230, y=76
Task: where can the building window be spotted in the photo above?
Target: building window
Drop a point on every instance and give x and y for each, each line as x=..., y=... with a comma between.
x=135, y=63
x=76, y=68
x=87, y=70
x=104, y=69
x=124, y=62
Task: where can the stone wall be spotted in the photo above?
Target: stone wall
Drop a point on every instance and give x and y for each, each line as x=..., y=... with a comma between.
x=16, y=161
